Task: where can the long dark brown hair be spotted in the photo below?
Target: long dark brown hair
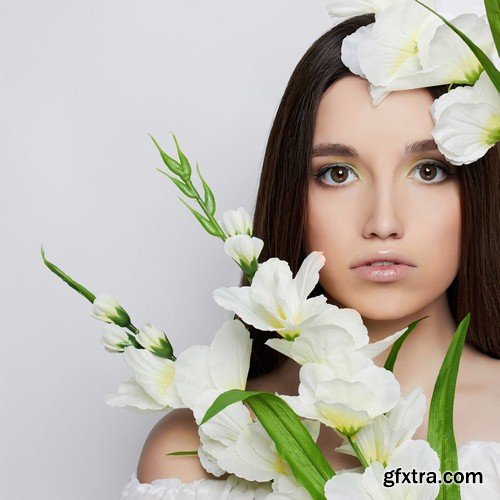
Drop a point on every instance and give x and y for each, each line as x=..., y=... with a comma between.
x=280, y=212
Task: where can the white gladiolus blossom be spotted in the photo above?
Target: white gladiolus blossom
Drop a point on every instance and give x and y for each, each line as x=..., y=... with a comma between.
x=484, y=457
x=154, y=340
x=347, y=8
x=445, y=58
x=288, y=488
x=235, y=222
x=114, y=338
x=250, y=453
x=152, y=386
x=389, y=50
x=408, y=47
x=231, y=441
x=349, y=333
x=243, y=249
x=467, y=121
x=346, y=392
x=106, y=308
x=205, y=372
x=372, y=484
x=277, y=301
x=378, y=440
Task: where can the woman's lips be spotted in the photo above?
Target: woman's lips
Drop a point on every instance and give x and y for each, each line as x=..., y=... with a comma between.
x=383, y=274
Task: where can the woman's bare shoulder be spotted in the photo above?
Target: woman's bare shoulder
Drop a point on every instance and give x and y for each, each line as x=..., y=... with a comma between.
x=176, y=431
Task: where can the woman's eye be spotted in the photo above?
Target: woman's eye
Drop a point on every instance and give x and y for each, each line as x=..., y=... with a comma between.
x=429, y=173
x=336, y=175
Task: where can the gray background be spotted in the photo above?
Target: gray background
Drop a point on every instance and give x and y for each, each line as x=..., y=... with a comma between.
x=82, y=83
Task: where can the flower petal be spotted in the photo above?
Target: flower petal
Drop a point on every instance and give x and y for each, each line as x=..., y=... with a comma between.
x=308, y=274
x=133, y=397
x=153, y=373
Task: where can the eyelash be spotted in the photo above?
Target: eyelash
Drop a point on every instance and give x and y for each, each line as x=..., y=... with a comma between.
x=322, y=171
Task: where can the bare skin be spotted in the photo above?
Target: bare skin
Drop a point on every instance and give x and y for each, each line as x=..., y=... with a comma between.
x=381, y=202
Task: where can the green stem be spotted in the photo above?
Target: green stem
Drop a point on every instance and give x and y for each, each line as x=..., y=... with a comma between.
x=358, y=452
x=210, y=217
x=133, y=329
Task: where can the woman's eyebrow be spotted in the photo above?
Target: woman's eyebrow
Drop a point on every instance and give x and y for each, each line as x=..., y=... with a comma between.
x=337, y=149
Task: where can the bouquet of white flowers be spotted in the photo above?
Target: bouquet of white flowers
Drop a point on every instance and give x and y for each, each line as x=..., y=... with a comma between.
x=340, y=385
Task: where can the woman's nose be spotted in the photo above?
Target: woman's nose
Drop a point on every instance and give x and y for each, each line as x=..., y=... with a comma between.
x=383, y=215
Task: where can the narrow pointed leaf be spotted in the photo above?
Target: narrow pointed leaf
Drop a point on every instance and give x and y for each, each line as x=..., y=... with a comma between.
x=185, y=166
x=393, y=354
x=440, y=432
x=293, y=441
x=70, y=281
x=224, y=400
x=209, y=227
x=187, y=190
x=493, y=15
x=183, y=453
x=209, y=199
x=485, y=61
x=172, y=164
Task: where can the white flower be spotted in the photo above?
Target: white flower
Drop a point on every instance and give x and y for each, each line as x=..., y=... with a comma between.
x=114, y=338
x=372, y=484
x=251, y=454
x=444, y=58
x=245, y=250
x=409, y=47
x=349, y=332
x=204, y=372
x=346, y=392
x=154, y=340
x=288, y=488
x=389, y=49
x=106, y=308
x=378, y=440
x=347, y=8
x=235, y=222
x=152, y=386
x=467, y=121
x=276, y=301
x=484, y=457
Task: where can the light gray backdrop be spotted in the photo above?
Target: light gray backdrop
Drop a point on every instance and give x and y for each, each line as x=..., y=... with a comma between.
x=82, y=83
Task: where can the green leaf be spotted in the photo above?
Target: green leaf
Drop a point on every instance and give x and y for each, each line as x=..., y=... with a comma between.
x=393, y=354
x=172, y=164
x=209, y=227
x=493, y=15
x=440, y=432
x=293, y=441
x=187, y=190
x=224, y=400
x=183, y=453
x=186, y=167
x=486, y=63
x=209, y=200
x=71, y=282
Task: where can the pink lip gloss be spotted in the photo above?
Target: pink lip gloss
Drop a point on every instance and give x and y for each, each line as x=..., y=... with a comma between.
x=383, y=274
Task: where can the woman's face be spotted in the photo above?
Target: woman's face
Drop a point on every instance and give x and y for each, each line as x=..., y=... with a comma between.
x=380, y=199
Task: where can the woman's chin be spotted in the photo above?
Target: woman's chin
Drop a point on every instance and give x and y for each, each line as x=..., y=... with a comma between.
x=386, y=310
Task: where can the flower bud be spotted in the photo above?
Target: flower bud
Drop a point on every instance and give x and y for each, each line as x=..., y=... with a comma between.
x=245, y=250
x=235, y=222
x=114, y=338
x=106, y=308
x=154, y=340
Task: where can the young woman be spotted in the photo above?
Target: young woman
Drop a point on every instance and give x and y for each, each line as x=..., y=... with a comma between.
x=365, y=185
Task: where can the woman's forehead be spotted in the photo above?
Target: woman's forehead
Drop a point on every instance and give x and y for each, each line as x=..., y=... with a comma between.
x=347, y=115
